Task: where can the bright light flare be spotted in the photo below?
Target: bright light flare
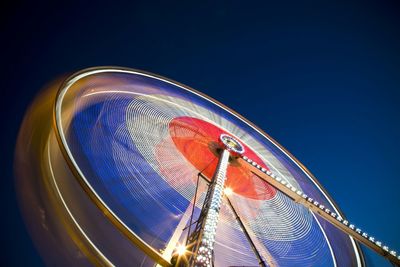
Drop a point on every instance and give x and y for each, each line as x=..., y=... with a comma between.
x=228, y=191
x=181, y=250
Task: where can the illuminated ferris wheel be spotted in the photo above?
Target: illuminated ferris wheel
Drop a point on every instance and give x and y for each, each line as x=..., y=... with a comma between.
x=139, y=170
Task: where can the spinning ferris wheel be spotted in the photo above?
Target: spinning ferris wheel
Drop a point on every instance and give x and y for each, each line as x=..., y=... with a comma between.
x=139, y=170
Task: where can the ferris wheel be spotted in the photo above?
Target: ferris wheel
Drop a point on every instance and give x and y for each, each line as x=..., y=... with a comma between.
x=128, y=168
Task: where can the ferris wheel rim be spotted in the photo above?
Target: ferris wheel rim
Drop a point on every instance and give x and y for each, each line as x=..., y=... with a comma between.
x=100, y=203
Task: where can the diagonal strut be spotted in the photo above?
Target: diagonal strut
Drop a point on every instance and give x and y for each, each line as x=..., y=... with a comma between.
x=311, y=204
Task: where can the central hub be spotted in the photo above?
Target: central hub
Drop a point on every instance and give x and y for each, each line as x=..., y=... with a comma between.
x=201, y=142
x=232, y=144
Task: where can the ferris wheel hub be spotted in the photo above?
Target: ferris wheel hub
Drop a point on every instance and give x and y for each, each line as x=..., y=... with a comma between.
x=232, y=144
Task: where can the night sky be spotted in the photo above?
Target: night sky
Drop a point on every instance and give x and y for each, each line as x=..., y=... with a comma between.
x=321, y=77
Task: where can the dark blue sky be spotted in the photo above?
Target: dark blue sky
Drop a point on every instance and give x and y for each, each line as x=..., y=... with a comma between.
x=321, y=77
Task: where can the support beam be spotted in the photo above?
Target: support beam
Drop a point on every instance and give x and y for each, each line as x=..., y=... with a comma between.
x=201, y=241
x=173, y=242
x=335, y=219
x=253, y=246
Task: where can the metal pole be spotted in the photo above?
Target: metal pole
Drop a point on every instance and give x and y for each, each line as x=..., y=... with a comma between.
x=258, y=255
x=201, y=240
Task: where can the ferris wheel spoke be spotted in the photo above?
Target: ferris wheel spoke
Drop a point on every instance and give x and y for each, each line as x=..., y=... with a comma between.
x=313, y=205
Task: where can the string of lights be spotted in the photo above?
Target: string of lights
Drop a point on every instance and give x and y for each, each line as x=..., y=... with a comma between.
x=334, y=218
